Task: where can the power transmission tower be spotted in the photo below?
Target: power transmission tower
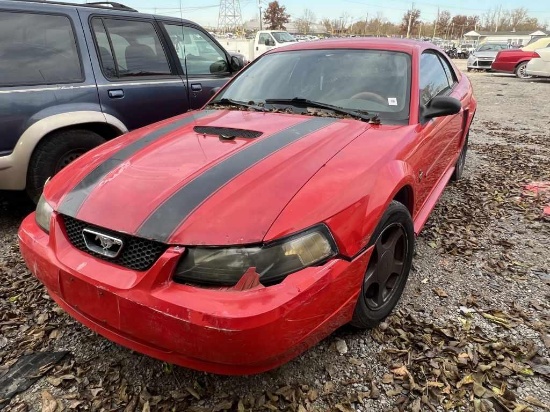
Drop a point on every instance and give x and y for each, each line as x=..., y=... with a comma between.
x=230, y=18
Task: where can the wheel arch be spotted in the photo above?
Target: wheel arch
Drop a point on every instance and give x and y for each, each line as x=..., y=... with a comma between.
x=101, y=123
x=405, y=196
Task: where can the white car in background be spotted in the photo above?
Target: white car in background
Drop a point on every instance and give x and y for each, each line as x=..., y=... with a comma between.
x=539, y=66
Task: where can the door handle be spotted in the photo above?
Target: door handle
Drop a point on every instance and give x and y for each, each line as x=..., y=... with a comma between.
x=116, y=94
x=196, y=87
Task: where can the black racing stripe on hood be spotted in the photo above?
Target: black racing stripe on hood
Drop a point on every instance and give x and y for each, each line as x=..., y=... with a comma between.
x=171, y=213
x=72, y=202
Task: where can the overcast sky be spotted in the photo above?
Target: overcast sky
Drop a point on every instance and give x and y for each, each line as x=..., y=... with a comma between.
x=205, y=12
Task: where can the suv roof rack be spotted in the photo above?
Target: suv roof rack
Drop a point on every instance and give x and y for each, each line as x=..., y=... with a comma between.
x=112, y=4
x=99, y=4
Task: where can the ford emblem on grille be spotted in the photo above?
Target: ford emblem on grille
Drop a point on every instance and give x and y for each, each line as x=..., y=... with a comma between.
x=102, y=244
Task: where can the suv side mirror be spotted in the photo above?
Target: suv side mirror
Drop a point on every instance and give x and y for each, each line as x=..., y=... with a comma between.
x=237, y=63
x=269, y=42
x=440, y=106
x=218, y=67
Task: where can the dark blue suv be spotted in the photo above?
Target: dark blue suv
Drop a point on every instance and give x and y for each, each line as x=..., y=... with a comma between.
x=73, y=76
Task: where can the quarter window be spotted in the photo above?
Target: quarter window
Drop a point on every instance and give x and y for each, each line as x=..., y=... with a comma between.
x=197, y=52
x=37, y=49
x=129, y=48
x=433, y=79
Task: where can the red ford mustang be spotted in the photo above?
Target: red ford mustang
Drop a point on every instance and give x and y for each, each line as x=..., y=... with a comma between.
x=233, y=238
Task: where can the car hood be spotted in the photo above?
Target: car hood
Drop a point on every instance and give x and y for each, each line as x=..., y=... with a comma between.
x=485, y=54
x=187, y=181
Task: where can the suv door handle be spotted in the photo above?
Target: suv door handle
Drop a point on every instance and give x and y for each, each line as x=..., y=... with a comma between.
x=196, y=87
x=116, y=94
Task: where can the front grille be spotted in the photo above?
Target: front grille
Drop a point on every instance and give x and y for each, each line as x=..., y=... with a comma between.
x=227, y=131
x=136, y=254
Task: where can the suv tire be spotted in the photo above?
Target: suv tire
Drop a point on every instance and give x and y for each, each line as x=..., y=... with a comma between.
x=54, y=153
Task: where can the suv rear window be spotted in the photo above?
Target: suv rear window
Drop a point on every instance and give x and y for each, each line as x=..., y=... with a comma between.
x=37, y=49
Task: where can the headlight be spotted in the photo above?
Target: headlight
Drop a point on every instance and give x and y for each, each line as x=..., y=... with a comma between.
x=43, y=214
x=273, y=261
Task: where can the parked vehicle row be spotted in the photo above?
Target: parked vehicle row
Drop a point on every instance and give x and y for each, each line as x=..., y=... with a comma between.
x=515, y=61
x=75, y=76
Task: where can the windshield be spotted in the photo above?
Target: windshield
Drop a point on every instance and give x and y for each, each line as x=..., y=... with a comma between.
x=374, y=81
x=493, y=47
x=282, y=36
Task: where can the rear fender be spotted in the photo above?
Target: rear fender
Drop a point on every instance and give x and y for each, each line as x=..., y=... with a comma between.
x=13, y=168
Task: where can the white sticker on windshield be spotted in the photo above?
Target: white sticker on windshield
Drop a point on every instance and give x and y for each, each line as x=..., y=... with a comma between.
x=392, y=101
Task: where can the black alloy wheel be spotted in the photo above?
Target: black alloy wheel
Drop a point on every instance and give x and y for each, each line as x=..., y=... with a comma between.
x=388, y=268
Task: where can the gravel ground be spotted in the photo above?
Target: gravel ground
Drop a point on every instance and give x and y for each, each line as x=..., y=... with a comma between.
x=470, y=333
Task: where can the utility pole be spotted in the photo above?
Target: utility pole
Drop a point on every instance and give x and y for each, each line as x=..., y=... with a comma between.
x=410, y=21
x=435, y=25
x=366, y=22
x=260, y=8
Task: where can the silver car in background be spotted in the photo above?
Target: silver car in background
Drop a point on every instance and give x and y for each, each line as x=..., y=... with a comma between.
x=484, y=56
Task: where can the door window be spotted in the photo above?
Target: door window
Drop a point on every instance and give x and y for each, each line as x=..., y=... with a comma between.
x=197, y=52
x=129, y=48
x=451, y=75
x=262, y=38
x=433, y=79
x=37, y=49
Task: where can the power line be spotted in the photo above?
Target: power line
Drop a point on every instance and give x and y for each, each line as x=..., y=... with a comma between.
x=230, y=18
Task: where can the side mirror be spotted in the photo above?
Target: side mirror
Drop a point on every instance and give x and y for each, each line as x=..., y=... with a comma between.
x=267, y=42
x=237, y=63
x=440, y=106
x=218, y=67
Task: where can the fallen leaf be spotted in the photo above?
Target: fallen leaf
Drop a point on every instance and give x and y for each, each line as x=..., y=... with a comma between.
x=534, y=401
x=440, y=292
x=49, y=404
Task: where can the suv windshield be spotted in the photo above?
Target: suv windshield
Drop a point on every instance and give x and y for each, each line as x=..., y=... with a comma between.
x=283, y=36
x=373, y=81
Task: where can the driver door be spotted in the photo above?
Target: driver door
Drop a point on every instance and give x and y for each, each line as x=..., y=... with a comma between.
x=204, y=63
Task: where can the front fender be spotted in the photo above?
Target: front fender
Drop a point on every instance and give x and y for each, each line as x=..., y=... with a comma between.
x=351, y=192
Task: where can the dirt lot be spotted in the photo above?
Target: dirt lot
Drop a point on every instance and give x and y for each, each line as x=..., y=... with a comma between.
x=471, y=332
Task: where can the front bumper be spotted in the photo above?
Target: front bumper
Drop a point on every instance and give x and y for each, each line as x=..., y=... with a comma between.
x=219, y=331
x=479, y=63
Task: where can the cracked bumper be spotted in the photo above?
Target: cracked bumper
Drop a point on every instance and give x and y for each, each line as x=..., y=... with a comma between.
x=219, y=331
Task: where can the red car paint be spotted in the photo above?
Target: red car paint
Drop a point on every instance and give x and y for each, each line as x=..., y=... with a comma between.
x=341, y=172
x=507, y=61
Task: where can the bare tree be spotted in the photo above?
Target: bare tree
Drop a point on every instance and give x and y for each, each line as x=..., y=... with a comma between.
x=518, y=16
x=304, y=23
x=443, y=22
x=328, y=25
x=410, y=22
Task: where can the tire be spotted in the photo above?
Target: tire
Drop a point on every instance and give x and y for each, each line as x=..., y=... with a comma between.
x=394, y=231
x=520, y=71
x=461, y=161
x=54, y=153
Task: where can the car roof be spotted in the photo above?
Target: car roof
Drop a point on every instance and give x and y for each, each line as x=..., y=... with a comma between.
x=114, y=8
x=404, y=45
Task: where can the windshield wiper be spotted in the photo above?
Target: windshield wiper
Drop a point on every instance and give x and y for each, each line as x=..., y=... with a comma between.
x=230, y=102
x=363, y=115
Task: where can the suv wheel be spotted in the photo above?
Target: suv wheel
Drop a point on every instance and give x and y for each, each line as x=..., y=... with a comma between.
x=54, y=153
